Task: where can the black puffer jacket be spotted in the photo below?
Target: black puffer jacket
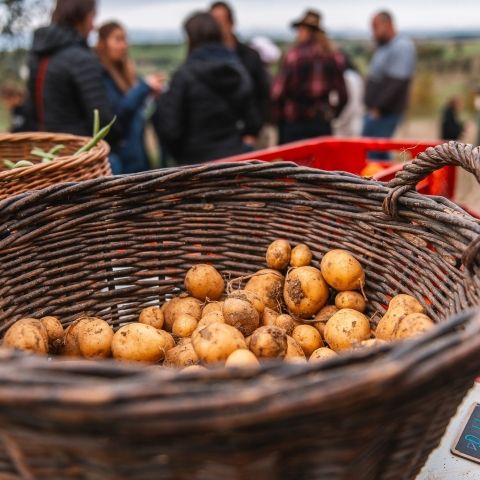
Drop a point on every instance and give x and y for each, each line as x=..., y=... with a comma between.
x=72, y=85
x=208, y=108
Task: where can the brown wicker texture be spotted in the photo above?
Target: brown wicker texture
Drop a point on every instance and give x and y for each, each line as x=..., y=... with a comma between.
x=112, y=246
x=66, y=168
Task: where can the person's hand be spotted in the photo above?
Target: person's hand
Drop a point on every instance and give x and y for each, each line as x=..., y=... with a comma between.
x=374, y=113
x=249, y=140
x=156, y=82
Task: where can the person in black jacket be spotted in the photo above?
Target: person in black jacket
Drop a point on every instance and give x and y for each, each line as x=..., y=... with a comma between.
x=452, y=127
x=66, y=83
x=208, y=107
x=251, y=60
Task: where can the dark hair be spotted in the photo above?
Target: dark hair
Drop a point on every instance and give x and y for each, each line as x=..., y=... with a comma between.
x=202, y=29
x=70, y=13
x=385, y=16
x=227, y=8
x=107, y=29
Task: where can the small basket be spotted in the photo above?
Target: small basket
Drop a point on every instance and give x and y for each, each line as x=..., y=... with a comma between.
x=109, y=247
x=65, y=168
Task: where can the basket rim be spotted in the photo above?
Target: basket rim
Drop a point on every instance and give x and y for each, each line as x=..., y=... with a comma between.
x=62, y=162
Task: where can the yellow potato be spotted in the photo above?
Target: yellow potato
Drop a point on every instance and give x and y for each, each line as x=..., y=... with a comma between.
x=308, y=338
x=94, y=338
x=278, y=254
x=212, y=317
x=269, y=342
x=241, y=314
x=321, y=354
x=323, y=316
x=168, y=340
x=152, y=316
x=346, y=328
x=169, y=311
x=181, y=356
x=294, y=352
x=251, y=297
x=183, y=306
x=301, y=256
x=54, y=329
x=286, y=322
x=138, y=342
x=349, y=299
x=184, y=325
x=342, y=271
x=212, y=307
x=70, y=346
x=305, y=291
x=215, y=342
x=413, y=325
x=242, y=358
x=269, y=316
x=399, y=307
x=371, y=342
x=194, y=369
x=27, y=334
x=204, y=282
x=268, y=285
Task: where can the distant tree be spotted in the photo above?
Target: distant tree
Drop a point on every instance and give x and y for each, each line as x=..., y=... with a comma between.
x=17, y=16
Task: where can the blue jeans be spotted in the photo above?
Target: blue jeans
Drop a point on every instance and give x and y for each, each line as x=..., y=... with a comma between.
x=382, y=127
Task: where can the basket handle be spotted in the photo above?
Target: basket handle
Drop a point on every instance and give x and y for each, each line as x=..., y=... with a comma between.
x=432, y=159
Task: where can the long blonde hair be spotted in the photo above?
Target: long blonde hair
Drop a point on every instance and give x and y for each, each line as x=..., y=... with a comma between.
x=123, y=73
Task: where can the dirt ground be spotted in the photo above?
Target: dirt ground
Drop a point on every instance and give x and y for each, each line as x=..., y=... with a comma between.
x=467, y=190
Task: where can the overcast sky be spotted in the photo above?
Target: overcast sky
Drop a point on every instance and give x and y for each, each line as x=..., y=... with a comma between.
x=276, y=15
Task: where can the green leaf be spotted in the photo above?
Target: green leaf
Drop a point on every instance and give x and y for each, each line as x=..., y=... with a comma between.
x=56, y=149
x=22, y=164
x=9, y=164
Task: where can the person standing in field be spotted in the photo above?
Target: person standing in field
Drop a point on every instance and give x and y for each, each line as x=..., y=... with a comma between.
x=451, y=126
x=250, y=59
x=208, y=108
x=66, y=83
x=127, y=95
x=309, y=91
x=389, y=77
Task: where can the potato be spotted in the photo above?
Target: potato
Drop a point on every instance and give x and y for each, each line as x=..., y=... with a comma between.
x=308, y=338
x=182, y=340
x=305, y=291
x=152, y=316
x=349, y=299
x=204, y=282
x=301, y=256
x=169, y=311
x=168, y=340
x=138, y=342
x=70, y=346
x=278, y=254
x=241, y=314
x=54, y=329
x=242, y=358
x=247, y=341
x=269, y=316
x=345, y=328
x=268, y=285
x=181, y=356
x=323, y=316
x=269, y=342
x=215, y=342
x=413, y=325
x=371, y=342
x=184, y=305
x=27, y=334
x=193, y=369
x=251, y=297
x=286, y=322
x=94, y=338
x=212, y=317
x=321, y=354
x=399, y=307
x=184, y=325
x=342, y=271
x=294, y=353
x=212, y=307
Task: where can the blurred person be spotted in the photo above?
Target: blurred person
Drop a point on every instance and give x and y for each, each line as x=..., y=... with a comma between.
x=452, y=127
x=14, y=99
x=208, y=108
x=309, y=91
x=127, y=95
x=66, y=81
x=251, y=60
x=389, y=77
x=350, y=121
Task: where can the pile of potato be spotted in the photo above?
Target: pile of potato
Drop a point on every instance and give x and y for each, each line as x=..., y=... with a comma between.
x=281, y=312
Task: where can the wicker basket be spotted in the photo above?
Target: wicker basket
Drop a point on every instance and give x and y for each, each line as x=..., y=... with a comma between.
x=111, y=246
x=66, y=168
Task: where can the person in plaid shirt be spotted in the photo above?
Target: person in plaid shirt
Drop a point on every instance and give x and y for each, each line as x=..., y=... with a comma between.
x=309, y=92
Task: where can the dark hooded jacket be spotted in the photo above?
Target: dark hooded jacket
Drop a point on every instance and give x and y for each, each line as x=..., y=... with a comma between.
x=208, y=107
x=66, y=83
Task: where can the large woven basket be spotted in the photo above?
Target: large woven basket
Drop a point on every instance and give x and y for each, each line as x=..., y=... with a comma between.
x=110, y=246
x=66, y=168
